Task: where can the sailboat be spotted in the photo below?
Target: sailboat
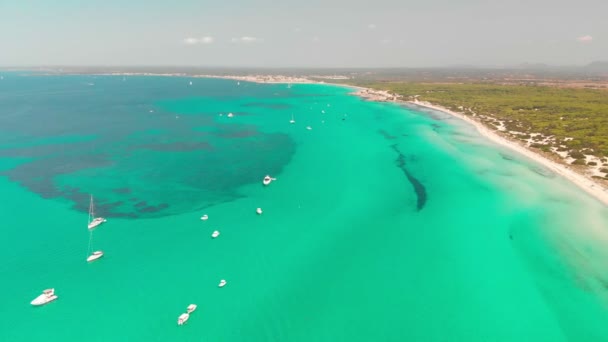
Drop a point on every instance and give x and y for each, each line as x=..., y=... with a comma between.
x=292, y=121
x=93, y=223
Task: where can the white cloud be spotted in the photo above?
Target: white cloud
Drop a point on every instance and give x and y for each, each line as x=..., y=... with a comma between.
x=371, y=26
x=585, y=39
x=246, y=39
x=201, y=40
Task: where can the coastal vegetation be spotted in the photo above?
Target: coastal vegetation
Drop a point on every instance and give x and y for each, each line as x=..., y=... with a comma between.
x=571, y=123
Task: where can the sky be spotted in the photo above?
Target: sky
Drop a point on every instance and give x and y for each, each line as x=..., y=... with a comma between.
x=304, y=33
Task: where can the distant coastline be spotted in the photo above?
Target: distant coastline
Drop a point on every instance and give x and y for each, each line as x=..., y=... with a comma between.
x=579, y=179
x=574, y=176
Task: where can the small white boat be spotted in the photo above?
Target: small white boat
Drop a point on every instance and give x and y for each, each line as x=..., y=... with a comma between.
x=190, y=82
x=308, y=128
x=205, y=217
x=322, y=111
x=96, y=255
x=182, y=319
x=94, y=221
x=215, y=234
x=259, y=211
x=222, y=283
x=46, y=297
x=267, y=180
x=190, y=309
x=238, y=83
x=292, y=121
x=230, y=115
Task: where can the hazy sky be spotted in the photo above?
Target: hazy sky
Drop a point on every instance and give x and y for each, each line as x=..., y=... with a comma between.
x=330, y=33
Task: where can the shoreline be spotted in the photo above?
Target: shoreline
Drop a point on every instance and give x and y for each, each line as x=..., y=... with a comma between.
x=579, y=179
x=583, y=182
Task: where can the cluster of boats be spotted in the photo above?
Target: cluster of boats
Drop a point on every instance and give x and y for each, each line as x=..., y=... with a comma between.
x=183, y=318
x=49, y=295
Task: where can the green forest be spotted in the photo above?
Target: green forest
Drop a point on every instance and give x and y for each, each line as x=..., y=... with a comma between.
x=579, y=114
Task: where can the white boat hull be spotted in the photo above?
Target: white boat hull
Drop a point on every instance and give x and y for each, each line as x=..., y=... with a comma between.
x=267, y=180
x=44, y=298
x=96, y=222
x=96, y=255
x=182, y=319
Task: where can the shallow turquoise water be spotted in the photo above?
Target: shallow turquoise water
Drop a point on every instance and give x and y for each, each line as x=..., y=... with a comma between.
x=385, y=223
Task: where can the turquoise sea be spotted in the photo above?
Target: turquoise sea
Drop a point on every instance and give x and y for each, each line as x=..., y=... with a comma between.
x=385, y=223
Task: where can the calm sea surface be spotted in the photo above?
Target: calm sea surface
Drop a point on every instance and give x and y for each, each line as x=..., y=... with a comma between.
x=385, y=223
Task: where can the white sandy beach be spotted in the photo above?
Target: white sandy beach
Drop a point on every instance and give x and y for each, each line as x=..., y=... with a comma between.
x=588, y=185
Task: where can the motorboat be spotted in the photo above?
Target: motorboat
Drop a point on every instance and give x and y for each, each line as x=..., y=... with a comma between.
x=292, y=121
x=191, y=308
x=215, y=234
x=267, y=180
x=94, y=256
x=190, y=82
x=308, y=128
x=205, y=217
x=259, y=211
x=46, y=297
x=230, y=115
x=182, y=319
x=222, y=283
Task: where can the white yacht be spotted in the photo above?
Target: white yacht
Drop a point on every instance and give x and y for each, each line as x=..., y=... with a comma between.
x=222, y=283
x=94, y=221
x=267, y=180
x=94, y=256
x=215, y=234
x=259, y=211
x=230, y=115
x=47, y=296
x=191, y=308
x=183, y=318
x=205, y=217
x=292, y=121
x=308, y=128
